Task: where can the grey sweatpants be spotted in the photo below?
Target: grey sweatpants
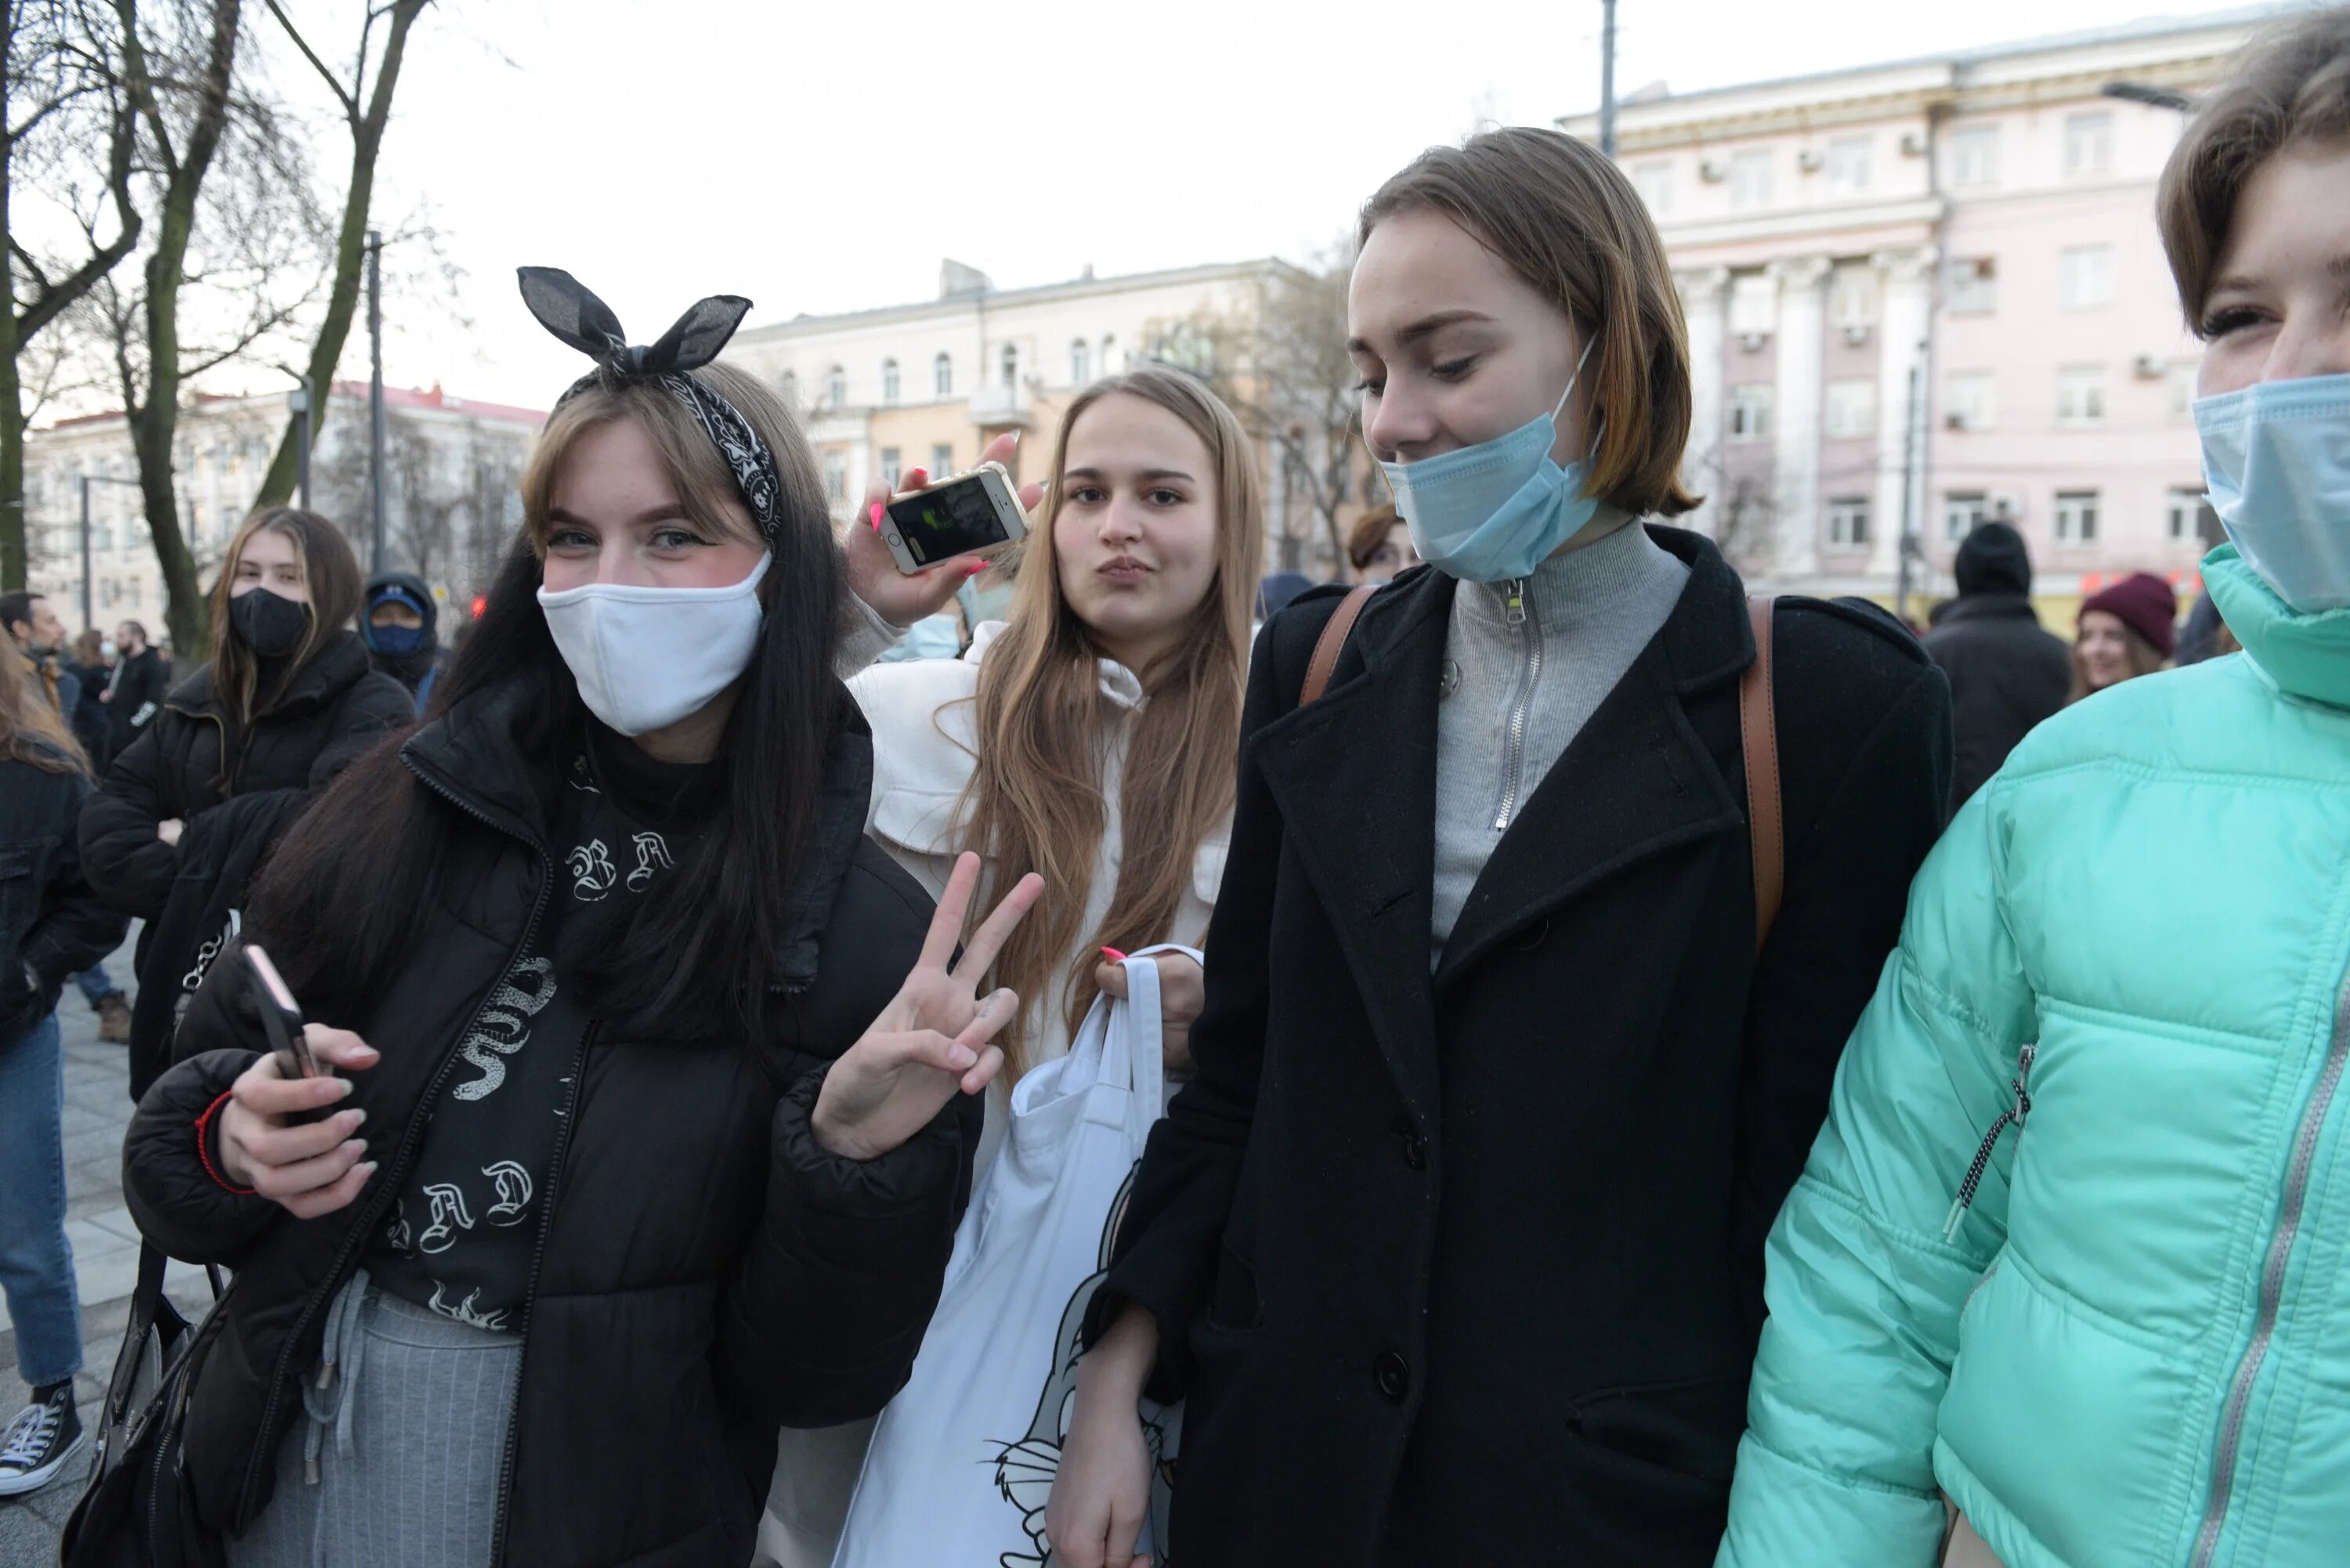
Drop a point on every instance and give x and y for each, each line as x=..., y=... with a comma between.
x=395, y=1460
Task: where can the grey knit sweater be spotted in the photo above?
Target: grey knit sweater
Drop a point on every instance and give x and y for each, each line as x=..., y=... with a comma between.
x=1526, y=665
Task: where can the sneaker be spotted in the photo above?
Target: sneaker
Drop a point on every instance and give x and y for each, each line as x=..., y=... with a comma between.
x=45, y=1435
x=114, y=1020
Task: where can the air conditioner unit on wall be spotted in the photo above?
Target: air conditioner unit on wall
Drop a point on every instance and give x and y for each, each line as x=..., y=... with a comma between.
x=1955, y=420
x=1856, y=332
x=1913, y=144
x=1752, y=341
x=2007, y=506
x=2150, y=368
x=1810, y=160
x=1713, y=171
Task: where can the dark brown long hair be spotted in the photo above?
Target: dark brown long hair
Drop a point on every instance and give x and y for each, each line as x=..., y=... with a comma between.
x=2291, y=85
x=692, y=958
x=332, y=575
x=1559, y=213
x=30, y=729
x=1035, y=801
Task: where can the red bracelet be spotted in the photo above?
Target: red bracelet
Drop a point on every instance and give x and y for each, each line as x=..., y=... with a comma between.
x=204, y=1150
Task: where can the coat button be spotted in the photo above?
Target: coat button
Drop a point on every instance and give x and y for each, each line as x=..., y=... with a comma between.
x=1415, y=1151
x=1392, y=1375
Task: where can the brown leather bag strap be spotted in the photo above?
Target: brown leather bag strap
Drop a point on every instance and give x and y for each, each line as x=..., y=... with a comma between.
x=1757, y=731
x=1334, y=642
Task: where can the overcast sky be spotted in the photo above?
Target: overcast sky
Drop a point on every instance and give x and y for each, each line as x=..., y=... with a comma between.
x=822, y=156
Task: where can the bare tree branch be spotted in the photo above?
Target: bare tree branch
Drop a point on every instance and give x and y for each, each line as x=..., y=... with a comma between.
x=334, y=83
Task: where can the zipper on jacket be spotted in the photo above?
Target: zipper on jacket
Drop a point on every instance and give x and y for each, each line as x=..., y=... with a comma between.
x=1518, y=615
x=2280, y=1254
x=387, y=1187
x=2015, y=1114
x=568, y=1115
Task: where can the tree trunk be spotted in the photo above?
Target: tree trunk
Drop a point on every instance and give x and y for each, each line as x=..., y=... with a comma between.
x=350, y=258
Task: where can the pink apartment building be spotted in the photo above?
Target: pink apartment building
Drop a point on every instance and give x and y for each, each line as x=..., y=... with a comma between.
x=1978, y=226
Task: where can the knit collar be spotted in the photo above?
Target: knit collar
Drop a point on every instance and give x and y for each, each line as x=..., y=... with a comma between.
x=2306, y=656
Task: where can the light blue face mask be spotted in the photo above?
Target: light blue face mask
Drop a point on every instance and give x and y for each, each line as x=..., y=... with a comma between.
x=2276, y=459
x=1493, y=512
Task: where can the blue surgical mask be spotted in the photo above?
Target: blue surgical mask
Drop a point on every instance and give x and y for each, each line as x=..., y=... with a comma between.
x=1493, y=512
x=2276, y=458
x=396, y=641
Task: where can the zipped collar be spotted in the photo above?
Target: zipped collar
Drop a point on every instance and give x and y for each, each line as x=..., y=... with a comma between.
x=2305, y=655
x=340, y=664
x=492, y=754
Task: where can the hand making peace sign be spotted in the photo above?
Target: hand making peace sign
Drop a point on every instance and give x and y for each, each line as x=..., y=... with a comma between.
x=932, y=1041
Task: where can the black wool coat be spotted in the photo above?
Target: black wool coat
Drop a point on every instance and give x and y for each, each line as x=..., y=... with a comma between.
x=2007, y=673
x=1466, y=1267
x=334, y=709
x=706, y=1273
x=52, y=923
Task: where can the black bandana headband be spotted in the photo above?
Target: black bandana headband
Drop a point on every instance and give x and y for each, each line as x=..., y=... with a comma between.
x=564, y=305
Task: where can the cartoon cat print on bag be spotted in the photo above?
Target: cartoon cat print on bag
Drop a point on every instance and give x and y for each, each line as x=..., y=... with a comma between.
x=1025, y=1470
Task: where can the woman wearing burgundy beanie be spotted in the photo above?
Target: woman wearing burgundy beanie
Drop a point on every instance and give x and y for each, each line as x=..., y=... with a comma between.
x=2126, y=630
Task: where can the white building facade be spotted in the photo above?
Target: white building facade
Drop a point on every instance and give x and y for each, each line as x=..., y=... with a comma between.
x=1978, y=227
x=452, y=493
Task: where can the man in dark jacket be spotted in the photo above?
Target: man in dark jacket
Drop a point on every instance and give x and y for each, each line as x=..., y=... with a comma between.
x=402, y=633
x=2007, y=672
x=136, y=693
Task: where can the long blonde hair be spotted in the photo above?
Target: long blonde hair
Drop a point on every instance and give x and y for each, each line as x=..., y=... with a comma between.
x=31, y=731
x=1035, y=801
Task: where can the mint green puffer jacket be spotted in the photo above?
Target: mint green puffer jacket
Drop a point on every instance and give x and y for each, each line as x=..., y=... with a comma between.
x=2133, y=1349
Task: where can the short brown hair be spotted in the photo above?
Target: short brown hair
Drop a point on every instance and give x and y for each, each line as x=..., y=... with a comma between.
x=1560, y=214
x=2290, y=86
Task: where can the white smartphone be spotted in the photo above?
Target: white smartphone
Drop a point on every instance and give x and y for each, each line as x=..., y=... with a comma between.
x=972, y=512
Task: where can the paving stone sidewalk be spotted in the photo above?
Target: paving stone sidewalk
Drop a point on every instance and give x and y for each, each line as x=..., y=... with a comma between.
x=106, y=1259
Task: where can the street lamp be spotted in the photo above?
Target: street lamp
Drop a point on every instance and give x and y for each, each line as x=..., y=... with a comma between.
x=298, y=400
x=87, y=480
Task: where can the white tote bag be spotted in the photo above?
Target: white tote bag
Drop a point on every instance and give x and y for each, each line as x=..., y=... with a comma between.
x=964, y=1458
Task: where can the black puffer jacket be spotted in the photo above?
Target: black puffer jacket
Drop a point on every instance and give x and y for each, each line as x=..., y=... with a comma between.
x=52, y=923
x=336, y=708
x=707, y=1273
x=2007, y=671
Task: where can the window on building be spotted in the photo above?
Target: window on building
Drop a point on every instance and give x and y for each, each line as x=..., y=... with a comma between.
x=1754, y=303
x=1750, y=180
x=889, y=466
x=942, y=462
x=1848, y=165
x=788, y=384
x=1852, y=297
x=1852, y=409
x=1109, y=362
x=2076, y=517
x=2191, y=519
x=1974, y=156
x=1962, y=510
x=2181, y=379
x=2087, y=277
x=1973, y=286
x=888, y=381
x=1971, y=401
x=1080, y=363
x=1750, y=412
x=836, y=474
x=1848, y=522
x=2088, y=144
x=1008, y=363
x=835, y=387
x=2080, y=396
x=942, y=376
x=1654, y=181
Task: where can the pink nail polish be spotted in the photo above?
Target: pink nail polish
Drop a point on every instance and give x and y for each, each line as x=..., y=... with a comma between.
x=977, y=567
x=876, y=515
x=1113, y=955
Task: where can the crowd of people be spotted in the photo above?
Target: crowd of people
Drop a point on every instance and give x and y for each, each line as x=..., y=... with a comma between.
x=1677, y=1077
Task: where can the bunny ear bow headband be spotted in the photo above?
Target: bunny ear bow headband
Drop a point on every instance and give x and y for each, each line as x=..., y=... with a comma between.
x=566, y=307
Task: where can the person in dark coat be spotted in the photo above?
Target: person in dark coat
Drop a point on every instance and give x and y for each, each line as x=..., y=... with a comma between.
x=1453, y=1248
x=135, y=691
x=189, y=810
x=91, y=667
x=52, y=925
x=2007, y=671
x=399, y=624
x=670, y=1091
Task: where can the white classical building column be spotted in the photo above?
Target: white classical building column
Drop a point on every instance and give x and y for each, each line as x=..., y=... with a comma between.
x=1802, y=386
x=1705, y=306
x=1904, y=319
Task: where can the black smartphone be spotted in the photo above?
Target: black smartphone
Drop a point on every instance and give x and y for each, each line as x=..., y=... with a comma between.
x=281, y=1017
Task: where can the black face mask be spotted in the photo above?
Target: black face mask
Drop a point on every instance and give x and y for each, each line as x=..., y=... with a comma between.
x=270, y=625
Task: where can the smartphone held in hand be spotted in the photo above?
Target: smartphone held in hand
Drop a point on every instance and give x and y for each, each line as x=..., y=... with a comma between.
x=970, y=513
x=281, y=1016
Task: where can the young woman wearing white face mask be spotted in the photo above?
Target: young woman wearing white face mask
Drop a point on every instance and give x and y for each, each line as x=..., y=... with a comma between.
x=2069, y=1253
x=1453, y=1245
x=653, y=1093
